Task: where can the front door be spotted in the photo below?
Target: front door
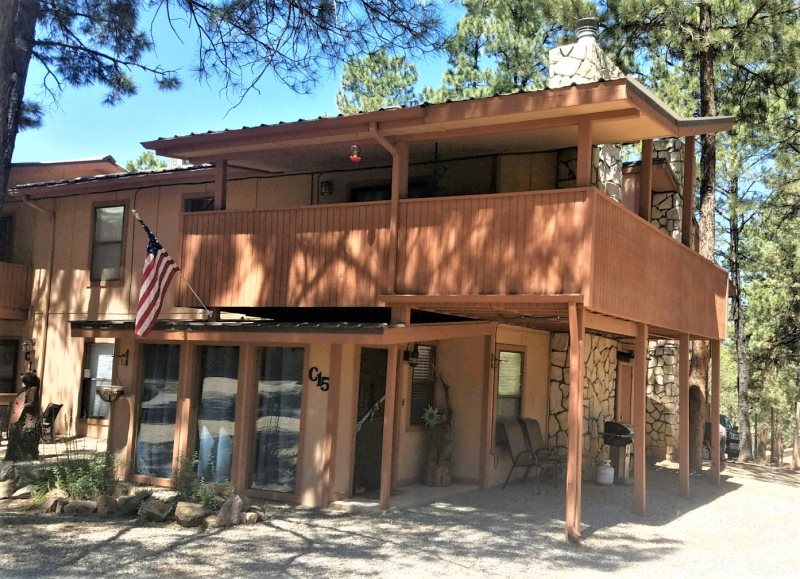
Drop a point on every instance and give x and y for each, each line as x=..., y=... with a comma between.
x=369, y=428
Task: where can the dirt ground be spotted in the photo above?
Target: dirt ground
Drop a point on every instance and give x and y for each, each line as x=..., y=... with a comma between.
x=749, y=526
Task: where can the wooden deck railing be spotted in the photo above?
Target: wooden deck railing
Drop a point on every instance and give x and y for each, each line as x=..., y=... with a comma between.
x=15, y=298
x=570, y=241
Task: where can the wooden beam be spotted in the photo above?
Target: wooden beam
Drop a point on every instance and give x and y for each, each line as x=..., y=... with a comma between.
x=683, y=413
x=608, y=324
x=640, y=420
x=388, y=427
x=646, y=181
x=575, y=423
x=716, y=361
x=488, y=413
x=480, y=299
x=245, y=416
x=220, y=184
x=688, y=192
x=331, y=425
x=583, y=171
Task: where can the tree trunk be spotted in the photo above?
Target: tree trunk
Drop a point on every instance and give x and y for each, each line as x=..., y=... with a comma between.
x=697, y=420
x=742, y=369
x=761, y=444
x=796, y=449
x=17, y=30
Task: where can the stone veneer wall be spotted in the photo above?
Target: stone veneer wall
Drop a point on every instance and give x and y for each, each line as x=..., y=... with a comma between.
x=599, y=388
x=606, y=169
x=662, y=398
x=667, y=211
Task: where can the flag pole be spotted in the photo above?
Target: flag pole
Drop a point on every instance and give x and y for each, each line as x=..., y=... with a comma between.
x=180, y=270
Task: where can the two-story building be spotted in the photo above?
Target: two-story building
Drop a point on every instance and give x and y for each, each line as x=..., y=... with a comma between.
x=503, y=241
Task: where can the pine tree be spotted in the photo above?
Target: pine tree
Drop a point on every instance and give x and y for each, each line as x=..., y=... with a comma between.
x=376, y=81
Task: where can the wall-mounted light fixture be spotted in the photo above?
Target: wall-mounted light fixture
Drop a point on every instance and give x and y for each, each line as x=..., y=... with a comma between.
x=325, y=188
x=123, y=358
x=412, y=356
x=355, y=154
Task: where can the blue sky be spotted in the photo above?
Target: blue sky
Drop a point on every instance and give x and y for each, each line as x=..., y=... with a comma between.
x=78, y=125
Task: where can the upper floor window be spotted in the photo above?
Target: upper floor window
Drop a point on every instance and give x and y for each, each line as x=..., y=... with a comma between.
x=109, y=228
x=193, y=204
x=6, y=237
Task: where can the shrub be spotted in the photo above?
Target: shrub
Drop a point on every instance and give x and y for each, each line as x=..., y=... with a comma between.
x=194, y=488
x=81, y=478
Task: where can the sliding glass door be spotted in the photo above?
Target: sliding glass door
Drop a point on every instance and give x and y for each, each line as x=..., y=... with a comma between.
x=218, y=378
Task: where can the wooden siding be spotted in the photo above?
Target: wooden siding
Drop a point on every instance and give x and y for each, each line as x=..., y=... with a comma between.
x=642, y=274
x=15, y=299
x=322, y=255
x=516, y=243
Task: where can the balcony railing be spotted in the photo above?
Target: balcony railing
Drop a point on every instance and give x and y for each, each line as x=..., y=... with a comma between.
x=15, y=298
x=569, y=241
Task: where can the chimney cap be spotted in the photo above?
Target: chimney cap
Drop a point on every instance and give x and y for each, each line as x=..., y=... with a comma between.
x=587, y=28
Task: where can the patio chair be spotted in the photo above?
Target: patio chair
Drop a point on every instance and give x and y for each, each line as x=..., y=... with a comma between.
x=545, y=457
x=521, y=455
x=49, y=419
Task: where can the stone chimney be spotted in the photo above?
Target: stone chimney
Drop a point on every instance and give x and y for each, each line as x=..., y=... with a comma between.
x=582, y=62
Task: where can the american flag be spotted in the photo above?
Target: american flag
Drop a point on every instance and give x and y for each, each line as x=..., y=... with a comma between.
x=158, y=270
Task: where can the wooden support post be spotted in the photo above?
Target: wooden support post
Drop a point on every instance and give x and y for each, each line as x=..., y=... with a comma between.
x=640, y=420
x=245, y=415
x=221, y=184
x=388, y=427
x=488, y=414
x=683, y=413
x=646, y=181
x=715, y=386
x=583, y=171
x=688, y=192
x=575, y=422
x=331, y=424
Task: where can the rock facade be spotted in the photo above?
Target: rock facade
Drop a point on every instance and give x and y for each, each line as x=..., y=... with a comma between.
x=599, y=386
x=667, y=210
x=580, y=63
x=606, y=169
x=662, y=398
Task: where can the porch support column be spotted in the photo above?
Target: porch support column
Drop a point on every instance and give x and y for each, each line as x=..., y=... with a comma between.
x=688, y=192
x=640, y=420
x=399, y=153
x=388, y=427
x=575, y=422
x=221, y=184
x=715, y=450
x=683, y=413
x=646, y=181
x=583, y=171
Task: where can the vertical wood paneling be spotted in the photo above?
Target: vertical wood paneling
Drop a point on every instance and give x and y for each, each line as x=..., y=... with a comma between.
x=15, y=297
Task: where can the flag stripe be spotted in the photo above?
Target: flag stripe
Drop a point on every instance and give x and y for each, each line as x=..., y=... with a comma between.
x=157, y=273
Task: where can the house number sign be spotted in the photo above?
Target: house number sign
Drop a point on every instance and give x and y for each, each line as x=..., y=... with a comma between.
x=322, y=381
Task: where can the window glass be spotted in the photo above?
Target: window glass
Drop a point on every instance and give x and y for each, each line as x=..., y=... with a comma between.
x=422, y=379
x=6, y=238
x=100, y=362
x=277, y=440
x=8, y=366
x=198, y=204
x=219, y=370
x=107, y=243
x=156, y=434
x=509, y=384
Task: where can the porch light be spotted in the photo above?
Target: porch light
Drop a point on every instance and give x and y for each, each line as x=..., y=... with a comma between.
x=355, y=154
x=412, y=356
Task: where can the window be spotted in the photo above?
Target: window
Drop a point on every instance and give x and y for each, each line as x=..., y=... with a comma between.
x=194, y=204
x=219, y=371
x=109, y=225
x=9, y=352
x=97, y=372
x=156, y=436
x=509, y=383
x=6, y=238
x=422, y=381
x=277, y=440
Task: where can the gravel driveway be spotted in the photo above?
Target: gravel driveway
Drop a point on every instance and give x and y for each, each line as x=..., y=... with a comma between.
x=748, y=526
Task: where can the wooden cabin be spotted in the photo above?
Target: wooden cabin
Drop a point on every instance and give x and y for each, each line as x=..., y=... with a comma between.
x=503, y=242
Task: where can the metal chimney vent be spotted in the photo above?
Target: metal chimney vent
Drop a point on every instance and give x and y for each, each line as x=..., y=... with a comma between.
x=587, y=29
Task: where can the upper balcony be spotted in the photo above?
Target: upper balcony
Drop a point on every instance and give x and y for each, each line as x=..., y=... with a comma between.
x=15, y=299
x=529, y=245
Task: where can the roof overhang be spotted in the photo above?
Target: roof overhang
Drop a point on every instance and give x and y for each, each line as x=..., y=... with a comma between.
x=620, y=110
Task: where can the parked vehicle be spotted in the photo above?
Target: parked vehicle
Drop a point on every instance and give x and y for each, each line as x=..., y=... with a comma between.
x=731, y=437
